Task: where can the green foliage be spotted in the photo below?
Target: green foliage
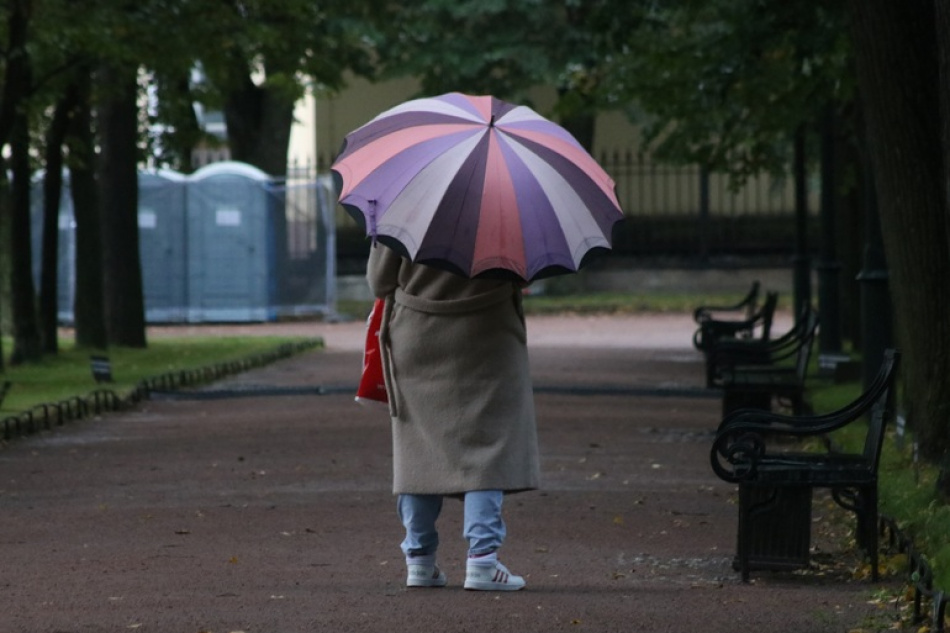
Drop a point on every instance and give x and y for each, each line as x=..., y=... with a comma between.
x=499, y=47
x=725, y=83
x=268, y=51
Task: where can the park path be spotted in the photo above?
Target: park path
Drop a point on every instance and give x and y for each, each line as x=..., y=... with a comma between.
x=257, y=505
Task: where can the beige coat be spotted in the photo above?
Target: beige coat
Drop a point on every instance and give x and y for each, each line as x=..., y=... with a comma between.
x=456, y=368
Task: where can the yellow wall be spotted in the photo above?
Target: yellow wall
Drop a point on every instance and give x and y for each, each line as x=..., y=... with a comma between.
x=338, y=115
x=325, y=120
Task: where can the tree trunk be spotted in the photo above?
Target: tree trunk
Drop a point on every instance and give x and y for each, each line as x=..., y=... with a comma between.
x=188, y=133
x=4, y=255
x=26, y=335
x=943, y=52
x=849, y=235
x=89, y=309
x=899, y=81
x=52, y=195
x=118, y=187
x=581, y=125
x=16, y=78
x=14, y=88
x=259, y=121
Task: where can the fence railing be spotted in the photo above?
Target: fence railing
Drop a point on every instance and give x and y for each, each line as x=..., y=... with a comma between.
x=648, y=188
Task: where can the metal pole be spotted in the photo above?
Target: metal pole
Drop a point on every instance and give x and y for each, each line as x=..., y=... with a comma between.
x=801, y=261
x=704, y=213
x=828, y=267
x=876, y=318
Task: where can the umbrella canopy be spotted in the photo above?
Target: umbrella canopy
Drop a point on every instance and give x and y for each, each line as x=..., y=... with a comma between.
x=478, y=186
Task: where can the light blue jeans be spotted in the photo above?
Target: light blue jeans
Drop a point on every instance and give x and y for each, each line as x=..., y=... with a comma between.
x=483, y=526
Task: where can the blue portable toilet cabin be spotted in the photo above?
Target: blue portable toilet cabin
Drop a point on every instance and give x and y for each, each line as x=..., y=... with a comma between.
x=66, y=245
x=231, y=244
x=163, y=248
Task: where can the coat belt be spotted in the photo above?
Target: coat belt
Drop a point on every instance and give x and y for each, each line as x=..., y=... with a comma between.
x=455, y=306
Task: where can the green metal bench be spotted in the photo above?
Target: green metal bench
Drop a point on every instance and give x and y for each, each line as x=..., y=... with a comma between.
x=780, y=377
x=711, y=330
x=751, y=449
x=748, y=306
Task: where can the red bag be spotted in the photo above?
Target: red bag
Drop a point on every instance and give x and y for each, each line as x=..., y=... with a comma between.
x=372, y=387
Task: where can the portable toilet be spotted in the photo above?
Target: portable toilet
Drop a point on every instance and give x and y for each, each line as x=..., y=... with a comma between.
x=163, y=247
x=231, y=244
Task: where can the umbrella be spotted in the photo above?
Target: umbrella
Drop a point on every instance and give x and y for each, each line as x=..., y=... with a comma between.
x=477, y=186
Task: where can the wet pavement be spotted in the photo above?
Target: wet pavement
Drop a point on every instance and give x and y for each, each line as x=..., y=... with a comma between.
x=267, y=508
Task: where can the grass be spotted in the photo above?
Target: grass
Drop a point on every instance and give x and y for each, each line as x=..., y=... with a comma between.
x=554, y=301
x=68, y=374
x=907, y=485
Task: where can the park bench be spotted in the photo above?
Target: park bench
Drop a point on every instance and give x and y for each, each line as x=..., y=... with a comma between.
x=727, y=353
x=711, y=330
x=747, y=306
x=757, y=385
x=751, y=449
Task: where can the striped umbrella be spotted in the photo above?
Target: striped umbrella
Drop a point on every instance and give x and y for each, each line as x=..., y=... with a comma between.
x=478, y=186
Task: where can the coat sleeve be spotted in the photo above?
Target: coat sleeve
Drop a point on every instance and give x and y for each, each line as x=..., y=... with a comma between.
x=382, y=270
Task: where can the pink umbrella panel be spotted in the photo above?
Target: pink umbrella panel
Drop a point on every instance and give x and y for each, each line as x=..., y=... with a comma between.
x=479, y=186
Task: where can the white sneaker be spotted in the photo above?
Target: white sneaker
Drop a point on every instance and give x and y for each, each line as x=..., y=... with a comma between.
x=425, y=576
x=491, y=578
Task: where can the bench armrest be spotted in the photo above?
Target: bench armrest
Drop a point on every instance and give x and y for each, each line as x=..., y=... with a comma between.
x=702, y=313
x=740, y=442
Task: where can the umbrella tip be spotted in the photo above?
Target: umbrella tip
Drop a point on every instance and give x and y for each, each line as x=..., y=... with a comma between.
x=491, y=123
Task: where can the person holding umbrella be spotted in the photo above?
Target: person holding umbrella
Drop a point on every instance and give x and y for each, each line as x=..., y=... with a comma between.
x=467, y=199
x=463, y=421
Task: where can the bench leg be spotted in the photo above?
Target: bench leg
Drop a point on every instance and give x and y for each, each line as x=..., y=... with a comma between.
x=744, y=540
x=863, y=502
x=869, y=497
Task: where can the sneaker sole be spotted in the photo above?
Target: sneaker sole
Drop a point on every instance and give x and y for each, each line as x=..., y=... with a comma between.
x=425, y=584
x=491, y=586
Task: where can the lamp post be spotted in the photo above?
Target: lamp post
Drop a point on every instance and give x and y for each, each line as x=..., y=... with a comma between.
x=828, y=267
x=876, y=317
x=801, y=261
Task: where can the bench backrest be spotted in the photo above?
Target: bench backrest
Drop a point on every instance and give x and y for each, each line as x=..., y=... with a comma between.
x=751, y=300
x=881, y=411
x=766, y=314
x=749, y=304
x=789, y=343
x=711, y=330
x=807, y=343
